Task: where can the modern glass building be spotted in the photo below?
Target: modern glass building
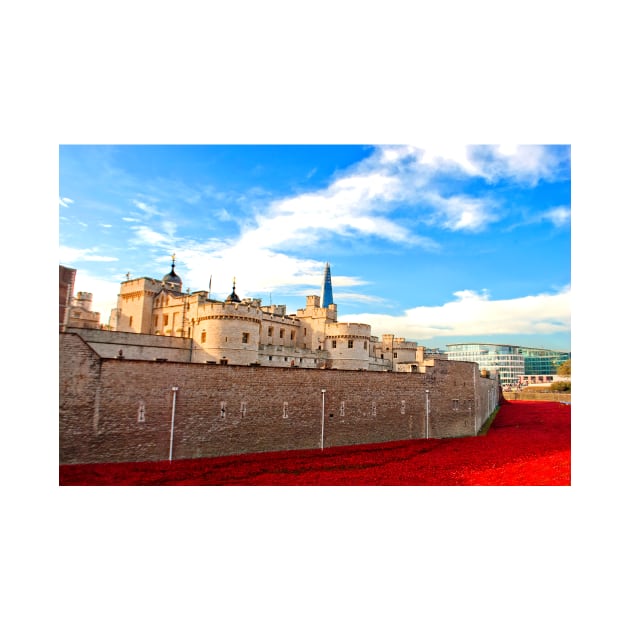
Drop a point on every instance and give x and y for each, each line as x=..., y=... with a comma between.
x=508, y=362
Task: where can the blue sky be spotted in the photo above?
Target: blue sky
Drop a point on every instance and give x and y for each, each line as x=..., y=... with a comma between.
x=437, y=243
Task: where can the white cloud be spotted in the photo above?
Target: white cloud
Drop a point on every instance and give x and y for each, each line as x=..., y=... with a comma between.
x=71, y=255
x=170, y=227
x=351, y=204
x=146, y=235
x=357, y=203
x=222, y=215
x=558, y=216
x=361, y=200
x=475, y=314
x=523, y=163
x=460, y=212
x=145, y=207
x=65, y=201
x=441, y=157
x=257, y=272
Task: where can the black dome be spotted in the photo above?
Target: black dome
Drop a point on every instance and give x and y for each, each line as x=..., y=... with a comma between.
x=233, y=297
x=172, y=278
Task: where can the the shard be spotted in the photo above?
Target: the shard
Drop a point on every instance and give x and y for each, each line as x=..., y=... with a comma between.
x=327, y=294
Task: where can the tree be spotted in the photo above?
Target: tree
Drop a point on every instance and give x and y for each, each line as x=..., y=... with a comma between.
x=564, y=369
x=560, y=386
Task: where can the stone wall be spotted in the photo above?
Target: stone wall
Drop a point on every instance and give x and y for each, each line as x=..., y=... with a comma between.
x=108, y=344
x=122, y=410
x=529, y=395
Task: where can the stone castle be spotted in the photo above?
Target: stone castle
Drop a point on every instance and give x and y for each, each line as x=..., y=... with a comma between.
x=180, y=375
x=245, y=332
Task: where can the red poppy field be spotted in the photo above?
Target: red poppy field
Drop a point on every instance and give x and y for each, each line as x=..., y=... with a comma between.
x=528, y=444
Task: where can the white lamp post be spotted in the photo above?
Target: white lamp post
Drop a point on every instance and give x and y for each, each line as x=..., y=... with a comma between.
x=323, y=407
x=426, y=428
x=170, y=452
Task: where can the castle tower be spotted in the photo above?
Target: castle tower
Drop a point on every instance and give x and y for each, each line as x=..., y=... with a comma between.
x=327, y=294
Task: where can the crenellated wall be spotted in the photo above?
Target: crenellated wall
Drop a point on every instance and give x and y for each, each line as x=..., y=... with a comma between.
x=120, y=410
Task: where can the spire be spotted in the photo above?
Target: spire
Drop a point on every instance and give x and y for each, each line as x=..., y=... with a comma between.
x=327, y=294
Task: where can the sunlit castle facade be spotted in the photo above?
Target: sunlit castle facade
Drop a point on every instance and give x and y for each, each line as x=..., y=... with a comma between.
x=508, y=363
x=244, y=332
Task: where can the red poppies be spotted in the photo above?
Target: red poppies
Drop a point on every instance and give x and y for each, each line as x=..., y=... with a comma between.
x=528, y=444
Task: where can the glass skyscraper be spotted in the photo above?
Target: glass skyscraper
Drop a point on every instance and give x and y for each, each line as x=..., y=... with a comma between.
x=327, y=294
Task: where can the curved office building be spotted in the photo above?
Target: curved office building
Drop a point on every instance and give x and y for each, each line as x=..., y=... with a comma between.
x=508, y=362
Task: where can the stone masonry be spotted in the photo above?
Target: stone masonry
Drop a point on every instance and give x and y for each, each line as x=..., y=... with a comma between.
x=115, y=410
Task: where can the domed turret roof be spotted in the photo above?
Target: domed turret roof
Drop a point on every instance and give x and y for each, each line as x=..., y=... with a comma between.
x=172, y=278
x=233, y=297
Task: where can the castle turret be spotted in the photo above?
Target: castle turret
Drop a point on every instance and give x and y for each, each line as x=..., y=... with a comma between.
x=171, y=280
x=233, y=298
x=83, y=300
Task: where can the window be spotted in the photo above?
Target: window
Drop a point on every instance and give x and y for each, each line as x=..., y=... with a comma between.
x=245, y=337
x=131, y=320
x=282, y=333
x=402, y=407
x=365, y=345
x=285, y=410
x=270, y=331
x=305, y=332
x=223, y=409
x=203, y=336
x=243, y=409
x=350, y=343
x=292, y=335
x=455, y=404
x=165, y=320
x=141, y=411
x=342, y=409
x=334, y=343
x=373, y=408
x=156, y=321
x=395, y=355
